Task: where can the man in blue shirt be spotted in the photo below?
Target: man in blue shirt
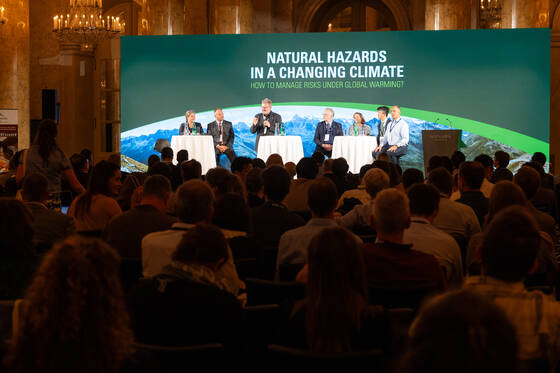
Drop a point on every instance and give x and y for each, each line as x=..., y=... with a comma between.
x=395, y=140
x=325, y=133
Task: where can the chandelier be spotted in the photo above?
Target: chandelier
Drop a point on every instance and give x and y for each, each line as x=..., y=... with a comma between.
x=490, y=13
x=84, y=24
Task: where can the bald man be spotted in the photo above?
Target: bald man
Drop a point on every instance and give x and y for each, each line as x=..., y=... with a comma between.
x=395, y=140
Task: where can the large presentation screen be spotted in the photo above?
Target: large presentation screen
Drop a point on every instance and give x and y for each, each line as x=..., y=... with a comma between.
x=494, y=85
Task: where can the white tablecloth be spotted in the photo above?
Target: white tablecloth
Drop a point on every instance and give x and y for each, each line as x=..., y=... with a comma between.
x=355, y=149
x=289, y=147
x=200, y=148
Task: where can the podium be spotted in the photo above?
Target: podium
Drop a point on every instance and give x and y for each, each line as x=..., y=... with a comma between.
x=439, y=142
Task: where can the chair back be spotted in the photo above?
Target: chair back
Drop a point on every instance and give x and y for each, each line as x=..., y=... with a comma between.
x=410, y=297
x=261, y=292
x=288, y=272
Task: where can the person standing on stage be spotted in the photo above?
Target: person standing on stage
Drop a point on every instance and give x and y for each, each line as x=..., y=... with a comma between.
x=325, y=133
x=266, y=123
x=190, y=127
x=394, y=140
x=359, y=127
x=222, y=133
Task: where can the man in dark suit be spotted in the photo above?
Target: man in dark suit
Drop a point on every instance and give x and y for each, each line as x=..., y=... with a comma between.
x=222, y=133
x=190, y=127
x=325, y=133
x=266, y=123
x=382, y=114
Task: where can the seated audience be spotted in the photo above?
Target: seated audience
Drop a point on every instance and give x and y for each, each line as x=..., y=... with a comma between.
x=390, y=262
x=126, y=231
x=457, y=219
x=152, y=161
x=258, y=163
x=338, y=175
x=221, y=181
x=457, y=158
x=471, y=175
x=272, y=219
x=93, y=209
x=359, y=193
x=189, y=302
x=509, y=252
x=231, y=215
x=501, y=161
x=486, y=186
x=255, y=188
x=545, y=198
x=424, y=237
x=375, y=180
x=194, y=206
x=447, y=163
x=322, y=199
x=274, y=160
x=291, y=168
x=334, y=317
x=241, y=167
x=178, y=178
x=548, y=179
x=49, y=226
x=127, y=193
x=412, y=176
x=18, y=261
x=80, y=165
x=190, y=170
x=73, y=317
x=306, y=170
x=167, y=155
x=460, y=332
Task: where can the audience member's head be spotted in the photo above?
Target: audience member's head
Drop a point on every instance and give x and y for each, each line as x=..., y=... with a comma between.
x=336, y=290
x=537, y=167
x=167, y=154
x=391, y=212
x=115, y=158
x=529, y=180
x=328, y=166
x=241, y=167
x=46, y=138
x=291, y=168
x=274, y=160
x=412, y=176
x=375, y=181
x=539, y=157
x=461, y=332
x=76, y=303
x=442, y=180
x=504, y=194
x=217, y=179
x=15, y=229
x=105, y=179
x=36, y=188
x=447, y=163
x=79, y=163
x=471, y=175
x=152, y=160
x=254, y=181
x=434, y=162
x=501, y=159
x=363, y=170
x=231, y=212
x=194, y=201
x=157, y=187
x=86, y=153
x=390, y=169
x=322, y=198
x=258, y=163
x=423, y=201
x=204, y=245
x=340, y=167
x=319, y=158
x=191, y=170
x=510, y=245
x=384, y=157
x=161, y=168
x=307, y=168
x=487, y=162
x=182, y=155
x=276, y=183
x=457, y=158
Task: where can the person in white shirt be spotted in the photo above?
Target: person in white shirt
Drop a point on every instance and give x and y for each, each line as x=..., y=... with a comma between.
x=424, y=237
x=394, y=140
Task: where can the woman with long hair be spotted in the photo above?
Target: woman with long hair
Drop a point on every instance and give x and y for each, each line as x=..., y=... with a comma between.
x=359, y=127
x=73, y=317
x=45, y=157
x=335, y=311
x=93, y=209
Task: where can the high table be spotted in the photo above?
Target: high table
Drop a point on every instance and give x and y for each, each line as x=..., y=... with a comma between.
x=355, y=149
x=289, y=147
x=199, y=147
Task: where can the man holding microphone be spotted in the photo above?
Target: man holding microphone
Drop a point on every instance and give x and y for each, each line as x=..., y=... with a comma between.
x=266, y=123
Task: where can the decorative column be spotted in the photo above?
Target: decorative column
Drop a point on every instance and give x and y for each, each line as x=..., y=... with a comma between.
x=448, y=14
x=161, y=17
x=525, y=13
x=14, y=64
x=231, y=16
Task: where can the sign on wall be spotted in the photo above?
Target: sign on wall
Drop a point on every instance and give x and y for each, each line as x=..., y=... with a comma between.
x=8, y=136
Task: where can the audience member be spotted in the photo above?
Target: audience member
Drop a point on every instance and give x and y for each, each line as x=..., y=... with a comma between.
x=447, y=163
x=545, y=198
x=152, y=160
x=274, y=160
x=390, y=262
x=272, y=219
x=322, y=198
x=93, y=209
x=182, y=156
x=509, y=251
x=241, y=167
x=18, y=261
x=433, y=163
x=177, y=173
x=87, y=154
x=291, y=168
x=194, y=205
x=167, y=155
x=231, y=215
x=255, y=188
x=412, y=176
x=128, y=190
x=221, y=181
x=338, y=175
x=126, y=231
x=358, y=195
x=73, y=317
x=258, y=163
x=457, y=219
x=189, y=301
x=80, y=165
x=190, y=170
x=375, y=181
x=471, y=176
x=460, y=332
x=501, y=161
x=424, y=202
x=49, y=226
x=296, y=199
x=334, y=317
x=548, y=180
x=457, y=158
x=163, y=169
